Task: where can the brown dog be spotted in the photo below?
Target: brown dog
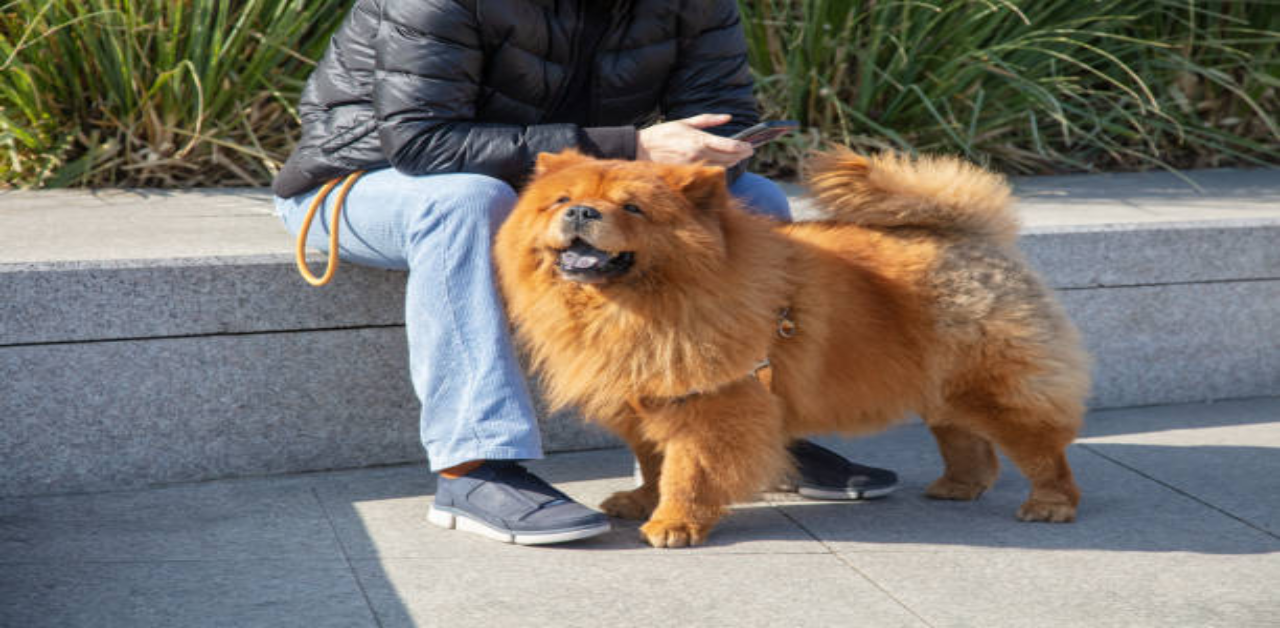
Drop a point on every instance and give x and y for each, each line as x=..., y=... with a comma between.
x=649, y=299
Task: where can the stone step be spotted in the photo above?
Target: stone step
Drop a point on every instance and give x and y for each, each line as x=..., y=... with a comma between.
x=161, y=336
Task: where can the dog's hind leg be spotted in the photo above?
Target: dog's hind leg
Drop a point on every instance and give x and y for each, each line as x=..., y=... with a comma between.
x=1035, y=439
x=1039, y=449
x=971, y=465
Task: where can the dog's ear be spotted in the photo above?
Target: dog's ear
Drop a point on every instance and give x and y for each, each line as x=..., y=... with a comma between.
x=706, y=187
x=550, y=162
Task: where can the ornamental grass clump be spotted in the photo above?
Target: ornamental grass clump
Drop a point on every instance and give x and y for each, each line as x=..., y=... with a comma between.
x=1025, y=86
x=161, y=93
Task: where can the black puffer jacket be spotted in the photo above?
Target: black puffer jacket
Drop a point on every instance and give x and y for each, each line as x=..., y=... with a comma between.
x=467, y=85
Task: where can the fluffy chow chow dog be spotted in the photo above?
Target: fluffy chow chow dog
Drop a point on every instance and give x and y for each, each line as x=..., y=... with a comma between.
x=649, y=299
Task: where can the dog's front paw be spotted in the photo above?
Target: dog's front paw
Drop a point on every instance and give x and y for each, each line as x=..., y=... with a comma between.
x=636, y=504
x=660, y=533
x=1050, y=512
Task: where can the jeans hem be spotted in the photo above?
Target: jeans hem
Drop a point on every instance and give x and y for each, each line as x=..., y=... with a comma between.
x=488, y=453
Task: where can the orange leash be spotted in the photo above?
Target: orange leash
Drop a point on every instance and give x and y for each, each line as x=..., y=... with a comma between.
x=300, y=253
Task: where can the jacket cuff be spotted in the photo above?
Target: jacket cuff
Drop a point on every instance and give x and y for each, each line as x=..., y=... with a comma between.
x=609, y=142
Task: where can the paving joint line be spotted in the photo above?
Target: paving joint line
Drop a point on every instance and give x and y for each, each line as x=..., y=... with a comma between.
x=1201, y=282
x=1204, y=402
x=212, y=334
x=159, y=561
x=1179, y=491
x=263, y=477
x=850, y=565
x=342, y=547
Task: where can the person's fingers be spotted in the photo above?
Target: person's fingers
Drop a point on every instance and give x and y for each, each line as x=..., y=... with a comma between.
x=727, y=145
x=721, y=158
x=723, y=163
x=727, y=162
x=684, y=141
x=704, y=120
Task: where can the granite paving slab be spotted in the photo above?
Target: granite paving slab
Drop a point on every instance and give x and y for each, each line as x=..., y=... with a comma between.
x=1225, y=454
x=96, y=301
x=1148, y=197
x=1050, y=203
x=229, y=520
x=97, y=416
x=1080, y=589
x=611, y=589
x=1180, y=343
x=1083, y=257
x=192, y=594
x=49, y=226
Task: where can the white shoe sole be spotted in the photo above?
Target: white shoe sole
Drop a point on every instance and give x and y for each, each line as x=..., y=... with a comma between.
x=844, y=495
x=452, y=521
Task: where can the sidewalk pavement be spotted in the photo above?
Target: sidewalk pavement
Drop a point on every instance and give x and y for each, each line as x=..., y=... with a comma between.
x=1180, y=526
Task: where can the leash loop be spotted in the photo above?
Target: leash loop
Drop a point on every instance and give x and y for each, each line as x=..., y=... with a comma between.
x=300, y=252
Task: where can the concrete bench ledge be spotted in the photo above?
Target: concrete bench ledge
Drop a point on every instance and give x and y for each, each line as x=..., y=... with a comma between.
x=154, y=336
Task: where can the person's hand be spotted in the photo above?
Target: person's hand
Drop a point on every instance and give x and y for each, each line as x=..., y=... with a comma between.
x=684, y=142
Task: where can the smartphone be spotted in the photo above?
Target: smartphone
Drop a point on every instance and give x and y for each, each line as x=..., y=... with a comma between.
x=766, y=131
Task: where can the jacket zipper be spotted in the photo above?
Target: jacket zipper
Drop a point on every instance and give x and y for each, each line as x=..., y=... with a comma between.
x=574, y=51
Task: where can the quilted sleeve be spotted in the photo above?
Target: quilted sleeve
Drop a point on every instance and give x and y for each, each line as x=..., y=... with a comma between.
x=429, y=59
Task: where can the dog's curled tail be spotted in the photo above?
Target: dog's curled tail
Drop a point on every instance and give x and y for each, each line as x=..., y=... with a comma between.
x=941, y=194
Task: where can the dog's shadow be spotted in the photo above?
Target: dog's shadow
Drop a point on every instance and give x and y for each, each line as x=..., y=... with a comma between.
x=1139, y=494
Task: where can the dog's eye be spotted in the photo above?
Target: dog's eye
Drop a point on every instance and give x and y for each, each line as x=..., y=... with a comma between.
x=633, y=209
x=562, y=199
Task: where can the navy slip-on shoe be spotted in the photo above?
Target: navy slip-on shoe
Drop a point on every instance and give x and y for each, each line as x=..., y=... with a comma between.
x=501, y=500
x=824, y=474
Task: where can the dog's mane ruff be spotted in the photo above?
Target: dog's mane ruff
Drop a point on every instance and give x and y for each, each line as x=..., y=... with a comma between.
x=598, y=347
x=890, y=190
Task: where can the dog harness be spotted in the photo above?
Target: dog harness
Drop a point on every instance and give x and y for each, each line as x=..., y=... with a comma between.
x=786, y=328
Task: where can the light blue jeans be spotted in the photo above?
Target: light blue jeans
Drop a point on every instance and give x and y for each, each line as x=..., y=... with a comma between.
x=440, y=228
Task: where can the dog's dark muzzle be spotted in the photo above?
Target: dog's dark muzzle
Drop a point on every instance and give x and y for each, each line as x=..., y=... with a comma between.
x=579, y=217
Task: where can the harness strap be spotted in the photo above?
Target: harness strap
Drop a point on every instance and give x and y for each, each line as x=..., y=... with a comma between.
x=762, y=371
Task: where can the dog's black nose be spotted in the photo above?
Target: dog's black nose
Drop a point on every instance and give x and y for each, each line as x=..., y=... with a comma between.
x=580, y=214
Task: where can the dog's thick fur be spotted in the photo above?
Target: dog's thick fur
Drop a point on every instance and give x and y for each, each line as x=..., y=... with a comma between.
x=911, y=296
